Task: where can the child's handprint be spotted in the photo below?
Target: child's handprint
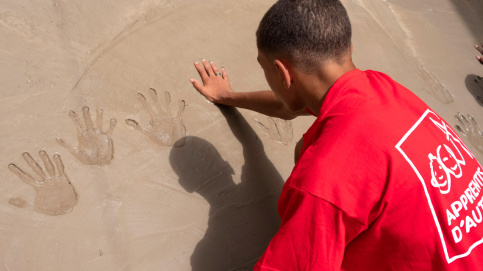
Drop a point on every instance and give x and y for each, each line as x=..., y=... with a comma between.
x=165, y=129
x=95, y=147
x=278, y=130
x=470, y=130
x=55, y=193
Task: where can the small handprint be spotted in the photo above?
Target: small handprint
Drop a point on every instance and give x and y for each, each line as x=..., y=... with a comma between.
x=55, y=193
x=95, y=146
x=278, y=130
x=470, y=130
x=165, y=129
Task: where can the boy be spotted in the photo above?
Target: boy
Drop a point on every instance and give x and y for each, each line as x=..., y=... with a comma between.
x=381, y=182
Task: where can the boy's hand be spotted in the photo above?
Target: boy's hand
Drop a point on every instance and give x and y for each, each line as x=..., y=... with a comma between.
x=479, y=58
x=216, y=85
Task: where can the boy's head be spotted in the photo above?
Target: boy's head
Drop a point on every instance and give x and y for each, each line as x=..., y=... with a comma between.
x=198, y=163
x=305, y=32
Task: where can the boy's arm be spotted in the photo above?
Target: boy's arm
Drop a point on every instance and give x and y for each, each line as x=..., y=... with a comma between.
x=216, y=88
x=313, y=234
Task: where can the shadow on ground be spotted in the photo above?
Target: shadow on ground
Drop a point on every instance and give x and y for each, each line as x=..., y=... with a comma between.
x=243, y=217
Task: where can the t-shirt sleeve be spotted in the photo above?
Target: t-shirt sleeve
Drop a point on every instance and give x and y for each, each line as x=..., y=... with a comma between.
x=313, y=235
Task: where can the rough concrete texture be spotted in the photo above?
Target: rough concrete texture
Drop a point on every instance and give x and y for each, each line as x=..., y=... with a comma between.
x=132, y=201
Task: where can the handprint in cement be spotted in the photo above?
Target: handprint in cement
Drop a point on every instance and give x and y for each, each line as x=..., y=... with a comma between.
x=55, y=194
x=165, y=129
x=95, y=146
x=434, y=87
x=470, y=130
x=278, y=130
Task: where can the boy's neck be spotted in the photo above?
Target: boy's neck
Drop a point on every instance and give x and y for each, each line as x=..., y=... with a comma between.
x=313, y=88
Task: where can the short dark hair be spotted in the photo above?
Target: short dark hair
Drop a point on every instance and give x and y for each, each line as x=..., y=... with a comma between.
x=305, y=32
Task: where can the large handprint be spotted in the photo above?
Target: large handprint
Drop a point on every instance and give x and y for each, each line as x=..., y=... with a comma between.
x=95, y=146
x=55, y=193
x=434, y=87
x=165, y=128
x=278, y=130
x=470, y=130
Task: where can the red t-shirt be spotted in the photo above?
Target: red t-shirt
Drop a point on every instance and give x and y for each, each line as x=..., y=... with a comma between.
x=382, y=183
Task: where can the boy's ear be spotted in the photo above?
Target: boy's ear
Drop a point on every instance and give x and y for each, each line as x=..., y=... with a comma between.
x=284, y=73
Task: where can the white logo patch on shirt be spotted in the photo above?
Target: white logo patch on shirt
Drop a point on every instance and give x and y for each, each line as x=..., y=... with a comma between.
x=452, y=180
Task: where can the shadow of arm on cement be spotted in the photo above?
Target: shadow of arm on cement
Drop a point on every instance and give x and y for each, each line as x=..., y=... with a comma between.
x=257, y=170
